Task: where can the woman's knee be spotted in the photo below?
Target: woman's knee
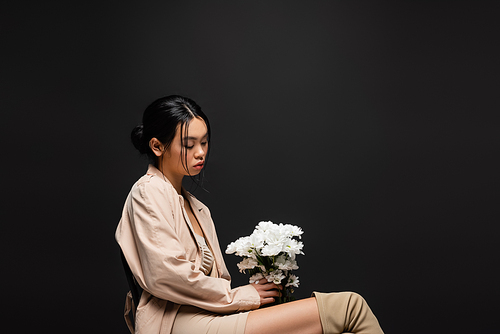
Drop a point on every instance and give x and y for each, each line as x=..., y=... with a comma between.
x=355, y=299
x=348, y=299
x=345, y=312
x=355, y=296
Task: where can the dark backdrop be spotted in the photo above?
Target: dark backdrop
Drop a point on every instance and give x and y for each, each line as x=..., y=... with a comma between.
x=372, y=125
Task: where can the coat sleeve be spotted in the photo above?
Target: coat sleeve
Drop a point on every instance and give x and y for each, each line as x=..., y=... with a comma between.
x=164, y=269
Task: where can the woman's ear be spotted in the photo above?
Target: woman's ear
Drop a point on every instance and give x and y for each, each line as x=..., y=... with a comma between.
x=156, y=146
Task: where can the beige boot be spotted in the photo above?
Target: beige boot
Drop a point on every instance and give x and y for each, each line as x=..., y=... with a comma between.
x=346, y=312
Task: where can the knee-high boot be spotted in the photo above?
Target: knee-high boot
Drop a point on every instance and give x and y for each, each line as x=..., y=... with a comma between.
x=346, y=312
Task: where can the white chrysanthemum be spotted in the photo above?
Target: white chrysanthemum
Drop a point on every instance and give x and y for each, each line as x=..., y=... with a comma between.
x=247, y=263
x=292, y=231
x=284, y=263
x=257, y=240
x=242, y=247
x=231, y=248
x=293, y=281
x=273, y=244
x=272, y=249
x=246, y=246
x=293, y=247
x=255, y=278
x=275, y=276
x=265, y=225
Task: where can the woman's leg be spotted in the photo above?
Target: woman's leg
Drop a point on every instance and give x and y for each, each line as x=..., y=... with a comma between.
x=346, y=312
x=327, y=313
x=298, y=317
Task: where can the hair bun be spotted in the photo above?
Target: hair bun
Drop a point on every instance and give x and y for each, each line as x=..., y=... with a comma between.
x=137, y=137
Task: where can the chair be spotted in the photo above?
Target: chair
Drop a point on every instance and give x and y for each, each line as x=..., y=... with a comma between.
x=134, y=287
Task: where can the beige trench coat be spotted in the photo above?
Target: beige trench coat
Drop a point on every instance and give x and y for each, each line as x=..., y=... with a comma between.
x=158, y=241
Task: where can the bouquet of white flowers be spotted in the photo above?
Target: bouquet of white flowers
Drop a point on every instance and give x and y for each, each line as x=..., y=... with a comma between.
x=269, y=253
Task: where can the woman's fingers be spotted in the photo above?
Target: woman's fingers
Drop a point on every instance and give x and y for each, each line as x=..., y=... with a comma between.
x=270, y=285
x=264, y=301
x=267, y=296
x=267, y=291
x=270, y=293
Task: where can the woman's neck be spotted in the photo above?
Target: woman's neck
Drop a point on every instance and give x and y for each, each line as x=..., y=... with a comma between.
x=175, y=180
x=177, y=186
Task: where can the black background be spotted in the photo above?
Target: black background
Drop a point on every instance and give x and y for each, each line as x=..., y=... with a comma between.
x=372, y=125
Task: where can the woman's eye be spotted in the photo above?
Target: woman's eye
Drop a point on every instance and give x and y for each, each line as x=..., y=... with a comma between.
x=204, y=143
x=189, y=147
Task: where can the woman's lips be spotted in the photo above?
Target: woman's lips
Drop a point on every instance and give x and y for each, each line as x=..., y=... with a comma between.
x=199, y=165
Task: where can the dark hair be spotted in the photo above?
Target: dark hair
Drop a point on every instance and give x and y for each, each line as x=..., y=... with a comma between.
x=161, y=120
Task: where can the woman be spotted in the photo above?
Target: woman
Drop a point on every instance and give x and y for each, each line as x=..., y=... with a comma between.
x=170, y=243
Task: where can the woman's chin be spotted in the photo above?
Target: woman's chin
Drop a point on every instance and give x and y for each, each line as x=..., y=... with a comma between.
x=195, y=171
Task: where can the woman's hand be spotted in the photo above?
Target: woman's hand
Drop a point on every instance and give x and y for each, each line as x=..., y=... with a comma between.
x=267, y=291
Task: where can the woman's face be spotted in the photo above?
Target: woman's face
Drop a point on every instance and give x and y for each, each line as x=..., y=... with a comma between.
x=195, y=141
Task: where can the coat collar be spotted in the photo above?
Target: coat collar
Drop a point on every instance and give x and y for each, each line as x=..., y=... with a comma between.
x=185, y=195
x=152, y=170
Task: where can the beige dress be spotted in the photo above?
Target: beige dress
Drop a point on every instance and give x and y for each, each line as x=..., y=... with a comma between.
x=191, y=319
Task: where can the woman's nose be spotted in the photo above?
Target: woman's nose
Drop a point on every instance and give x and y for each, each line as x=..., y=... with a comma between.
x=200, y=152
